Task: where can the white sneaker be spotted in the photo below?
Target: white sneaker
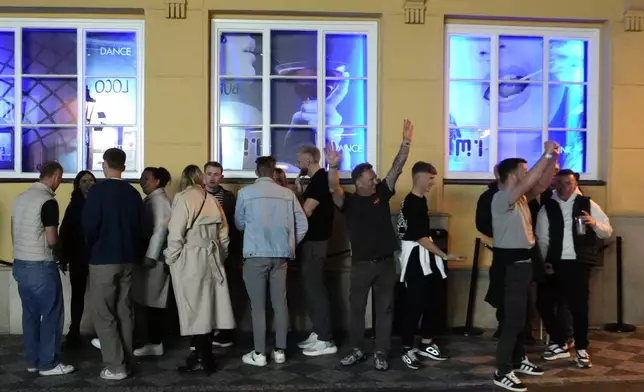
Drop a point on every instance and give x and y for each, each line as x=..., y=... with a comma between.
x=58, y=370
x=279, y=356
x=320, y=348
x=149, y=350
x=312, y=339
x=106, y=374
x=96, y=343
x=252, y=358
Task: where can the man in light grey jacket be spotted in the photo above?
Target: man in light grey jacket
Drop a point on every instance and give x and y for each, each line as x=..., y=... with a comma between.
x=273, y=223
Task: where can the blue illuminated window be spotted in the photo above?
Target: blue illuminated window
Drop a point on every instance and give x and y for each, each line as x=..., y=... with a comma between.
x=512, y=88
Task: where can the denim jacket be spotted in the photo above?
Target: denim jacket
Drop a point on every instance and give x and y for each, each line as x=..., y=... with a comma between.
x=271, y=218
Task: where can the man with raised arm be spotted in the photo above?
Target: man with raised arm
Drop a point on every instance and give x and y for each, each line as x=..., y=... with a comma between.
x=373, y=243
x=513, y=243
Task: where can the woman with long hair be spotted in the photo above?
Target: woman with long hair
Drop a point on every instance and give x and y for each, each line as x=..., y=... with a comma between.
x=197, y=247
x=75, y=254
x=151, y=280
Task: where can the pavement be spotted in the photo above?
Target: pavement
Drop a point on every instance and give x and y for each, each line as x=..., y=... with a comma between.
x=618, y=366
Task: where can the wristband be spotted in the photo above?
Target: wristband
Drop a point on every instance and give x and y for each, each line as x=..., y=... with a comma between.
x=334, y=166
x=547, y=156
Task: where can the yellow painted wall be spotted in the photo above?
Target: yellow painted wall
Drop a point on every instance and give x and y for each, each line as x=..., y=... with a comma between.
x=177, y=85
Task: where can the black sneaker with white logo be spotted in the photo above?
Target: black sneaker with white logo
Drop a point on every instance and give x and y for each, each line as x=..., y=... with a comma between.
x=555, y=351
x=529, y=368
x=431, y=351
x=410, y=359
x=509, y=382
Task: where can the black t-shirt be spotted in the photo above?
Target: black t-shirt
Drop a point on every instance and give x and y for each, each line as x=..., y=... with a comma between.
x=321, y=220
x=369, y=223
x=413, y=219
x=49, y=213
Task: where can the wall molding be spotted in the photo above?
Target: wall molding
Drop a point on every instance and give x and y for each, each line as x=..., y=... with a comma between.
x=176, y=9
x=414, y=11
x=634, y=21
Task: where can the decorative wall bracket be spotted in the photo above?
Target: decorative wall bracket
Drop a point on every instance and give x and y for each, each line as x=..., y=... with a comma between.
x=634, y=21
x=176, y=9
x=415, y=11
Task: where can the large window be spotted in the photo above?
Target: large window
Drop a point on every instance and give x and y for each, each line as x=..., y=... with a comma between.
x=69, y=90
x=509, y=89
x=279, y=85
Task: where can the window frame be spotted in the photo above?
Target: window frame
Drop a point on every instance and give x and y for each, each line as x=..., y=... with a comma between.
x=591, y=35
x=82, y=26
x=264, y=26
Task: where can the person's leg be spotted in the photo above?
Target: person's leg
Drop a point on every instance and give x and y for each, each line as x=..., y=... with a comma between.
x=124, y=312
x=313, y=259
x=362, y=276
x=78, y=280
x=27, y=275
x=577, y=277
x=547, y=296
x=277, y=287
x=255, y=276
x=431, y=326
x=156, y=325
x=530, y=311
x=414, y=301
x=50, y=299
x=384, y=286
x=142, y=322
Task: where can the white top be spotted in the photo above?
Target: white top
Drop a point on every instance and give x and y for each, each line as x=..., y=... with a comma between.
x=406, y=248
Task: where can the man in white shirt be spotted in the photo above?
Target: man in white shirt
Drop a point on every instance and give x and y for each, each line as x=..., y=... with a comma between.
x=569, y=249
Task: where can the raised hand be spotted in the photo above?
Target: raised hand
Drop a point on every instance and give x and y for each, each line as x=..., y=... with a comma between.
x=332, y=155
x=408, y=131
x=551, y=147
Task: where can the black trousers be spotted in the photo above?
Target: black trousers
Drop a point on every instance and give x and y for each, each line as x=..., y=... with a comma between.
x=569, y=283
x=78, y=274
x=203, y=347
x=150, y=324
x=511, y=346
x=423, y=297
x=528, y=317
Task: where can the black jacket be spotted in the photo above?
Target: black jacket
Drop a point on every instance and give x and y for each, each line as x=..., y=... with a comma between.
x=73, y=250
x=484, y=210
x=234, y=248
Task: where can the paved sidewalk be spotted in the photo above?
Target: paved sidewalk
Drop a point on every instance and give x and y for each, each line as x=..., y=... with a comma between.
x=616, y=358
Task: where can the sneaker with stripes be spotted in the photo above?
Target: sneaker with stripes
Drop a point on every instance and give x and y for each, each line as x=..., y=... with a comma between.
x=529, y=368
x=509, y=382
x=555, y=351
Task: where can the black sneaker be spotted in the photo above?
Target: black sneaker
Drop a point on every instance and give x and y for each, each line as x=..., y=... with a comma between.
x=431, y=351
x=529, y=368
x=410, y=359
x=354, y=358
x=509, y=381
x=223, y=339
x=555, y=351
x=583, y=359
x=380, y=361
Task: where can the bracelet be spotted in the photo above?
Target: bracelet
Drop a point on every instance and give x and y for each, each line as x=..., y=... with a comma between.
x=334, y=166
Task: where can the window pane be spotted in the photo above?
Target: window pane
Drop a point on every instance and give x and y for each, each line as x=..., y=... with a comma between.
x=49, y=101
x=520, y=144
x=99, y=139
x=43, y=144
x=240, y=147
x=520, y=105
x=294, y=101
x=469, y=104
x=569, y=60
x=7, y=101
x=240, y=102
x=346, y=55
x=285, y=142
x=7, y=157
x=111, y=54
x=7, y=53
x=352, y=142
x=110, y=101
x=520, y=58
x=294, y=53
x=240, y=54
x=346, y=102
x=567, y=105
x=469, y=150
x=573, y=149
x=469, y=58
x=49, y=51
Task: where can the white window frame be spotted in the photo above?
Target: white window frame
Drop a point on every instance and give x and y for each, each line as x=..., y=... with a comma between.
x=82, y=27
x=254, y=26
x=591, y=35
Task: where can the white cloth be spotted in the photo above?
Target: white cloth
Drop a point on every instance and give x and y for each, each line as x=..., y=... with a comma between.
x=406, y=247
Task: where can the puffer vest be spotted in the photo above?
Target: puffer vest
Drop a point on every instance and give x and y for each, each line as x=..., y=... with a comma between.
x=29, y=239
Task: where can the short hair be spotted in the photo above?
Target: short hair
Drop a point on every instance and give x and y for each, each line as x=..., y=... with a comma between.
x=48, y=169
x=115, y=158
x=566, y=173
x=191, y=175
x=266, y=166
x=423, y=167
x=214, y=164
x=161, y=174
x=311, y=150
x=359, y=170
x=509, y=166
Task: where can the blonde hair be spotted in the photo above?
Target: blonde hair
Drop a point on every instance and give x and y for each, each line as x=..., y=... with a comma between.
x=311, y=150
x=190, y=176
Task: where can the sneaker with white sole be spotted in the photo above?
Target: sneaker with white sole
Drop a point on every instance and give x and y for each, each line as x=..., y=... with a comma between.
x=583, y=359
x=254, y=359
x=410, y=359
x=58, y=370
x=355, y=357
x=509, y=381
x=529, y=368
x=279, y=356
x=320, y=348
x=149, y=350
x=96, y=343
x=32, y=370
x=555, y=351
x=107, y=374
x=431, y=351
x=312, y=339
x=380, y=361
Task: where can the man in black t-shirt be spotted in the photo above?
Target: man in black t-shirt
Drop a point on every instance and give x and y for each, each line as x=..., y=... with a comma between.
x=319, y=208
x=373, y=243
x=421, y=271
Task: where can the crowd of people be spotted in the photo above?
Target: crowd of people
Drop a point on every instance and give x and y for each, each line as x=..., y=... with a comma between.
x=137, y=255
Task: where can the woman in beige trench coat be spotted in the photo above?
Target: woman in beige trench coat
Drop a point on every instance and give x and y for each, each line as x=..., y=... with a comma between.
x=197, y=247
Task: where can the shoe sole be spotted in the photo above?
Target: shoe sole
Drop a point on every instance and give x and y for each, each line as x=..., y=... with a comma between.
x=55, y=374
x=319, y=353
x=555, y=357
x=432, y=357
x=583, y=365
x=249, y=362
x=358, y=361
x=529, y=373
x=501, y=385
x=147, y=354
x=114, y=378
x=222, y=345
x=305, y=345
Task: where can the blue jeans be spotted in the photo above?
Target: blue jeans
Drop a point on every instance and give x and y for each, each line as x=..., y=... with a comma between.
x=41, y=294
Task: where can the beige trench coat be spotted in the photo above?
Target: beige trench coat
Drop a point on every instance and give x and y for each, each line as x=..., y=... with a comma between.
x=197, y=248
